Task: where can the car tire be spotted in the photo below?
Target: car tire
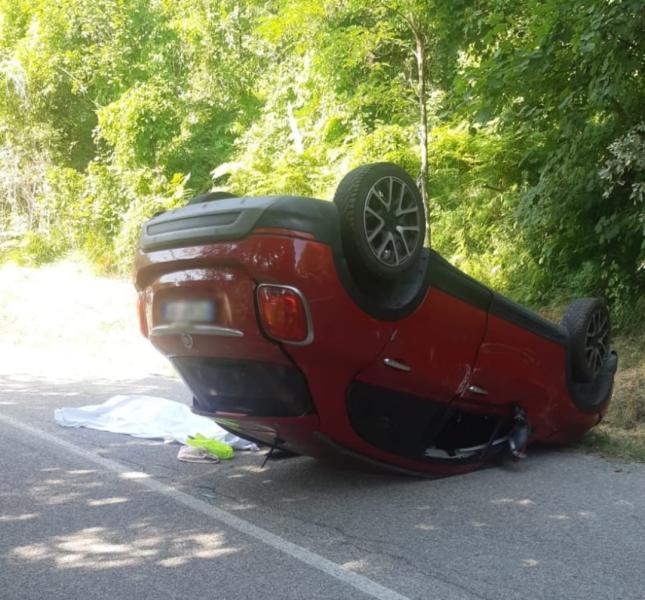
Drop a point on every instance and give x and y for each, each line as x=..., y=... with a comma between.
x=210, y=196
x=382, y=220
x=587, y=322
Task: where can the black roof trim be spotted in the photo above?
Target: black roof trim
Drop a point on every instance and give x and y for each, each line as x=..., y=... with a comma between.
x=515, y=313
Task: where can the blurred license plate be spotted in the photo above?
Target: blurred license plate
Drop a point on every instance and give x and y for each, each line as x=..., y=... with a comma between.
x=188, y=311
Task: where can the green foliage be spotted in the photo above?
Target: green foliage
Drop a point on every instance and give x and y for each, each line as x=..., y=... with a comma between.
x=140, y=124
x=112, y=110
x=35, y=249
x=474, y=201
x=622, y=232
x=570, y=79
x=151, y=193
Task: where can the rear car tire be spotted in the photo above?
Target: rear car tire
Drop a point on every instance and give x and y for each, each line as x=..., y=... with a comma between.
x=382, y=220
x=587, y=321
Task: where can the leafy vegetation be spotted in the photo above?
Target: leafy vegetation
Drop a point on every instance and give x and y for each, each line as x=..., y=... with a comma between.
x=523, y=121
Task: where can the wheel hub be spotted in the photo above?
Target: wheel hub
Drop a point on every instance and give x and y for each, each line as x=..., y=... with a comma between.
x=391, y=219
x=597, y=340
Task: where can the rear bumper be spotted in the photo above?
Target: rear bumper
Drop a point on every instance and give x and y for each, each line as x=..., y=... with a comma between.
x=263, y=402
x=236, y=218
x=245, y=388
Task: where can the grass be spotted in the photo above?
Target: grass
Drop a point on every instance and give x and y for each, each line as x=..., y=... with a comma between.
x=622, y=432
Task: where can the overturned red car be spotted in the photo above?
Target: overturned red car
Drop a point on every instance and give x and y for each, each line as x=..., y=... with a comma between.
x=328, y=329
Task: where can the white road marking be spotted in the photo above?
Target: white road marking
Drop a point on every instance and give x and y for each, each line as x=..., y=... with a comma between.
x=360, y=582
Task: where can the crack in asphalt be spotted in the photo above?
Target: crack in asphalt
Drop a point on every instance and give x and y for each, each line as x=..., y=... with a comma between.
x=360, y=544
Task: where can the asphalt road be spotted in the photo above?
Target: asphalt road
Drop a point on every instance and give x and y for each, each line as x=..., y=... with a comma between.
x=86, y=514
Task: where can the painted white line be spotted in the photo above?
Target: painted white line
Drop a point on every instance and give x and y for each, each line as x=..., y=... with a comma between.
x=360, y=582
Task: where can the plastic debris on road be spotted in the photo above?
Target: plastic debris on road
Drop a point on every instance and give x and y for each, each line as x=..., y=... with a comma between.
x=196, y=455
x=220, y=449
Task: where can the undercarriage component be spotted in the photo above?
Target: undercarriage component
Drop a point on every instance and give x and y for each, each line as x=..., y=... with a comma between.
x=519, y=436
x=417, y=427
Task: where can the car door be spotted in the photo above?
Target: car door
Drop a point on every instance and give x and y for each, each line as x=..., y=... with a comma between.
x=432, y=352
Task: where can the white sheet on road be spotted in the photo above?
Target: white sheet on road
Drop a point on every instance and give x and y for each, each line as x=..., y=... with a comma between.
x=147, y=417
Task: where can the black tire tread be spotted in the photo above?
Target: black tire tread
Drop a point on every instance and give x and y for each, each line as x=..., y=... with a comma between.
x=575, y=321
x=348, y=188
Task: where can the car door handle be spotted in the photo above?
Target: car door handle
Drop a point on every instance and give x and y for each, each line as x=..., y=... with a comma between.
x=475, y=389
x=396, y=364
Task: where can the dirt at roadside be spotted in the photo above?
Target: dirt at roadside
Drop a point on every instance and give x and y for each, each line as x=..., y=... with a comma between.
x=64, y=322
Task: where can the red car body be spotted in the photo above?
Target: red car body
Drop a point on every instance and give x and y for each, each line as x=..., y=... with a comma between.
x=377, y=381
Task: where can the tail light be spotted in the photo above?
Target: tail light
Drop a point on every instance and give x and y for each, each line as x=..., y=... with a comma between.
x=284, y=314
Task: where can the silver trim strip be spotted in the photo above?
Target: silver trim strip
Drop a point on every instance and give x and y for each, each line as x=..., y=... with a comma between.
x=475, y=389
x=395, y=364
x=462, y=452
x=194, y=329
x=310, y=323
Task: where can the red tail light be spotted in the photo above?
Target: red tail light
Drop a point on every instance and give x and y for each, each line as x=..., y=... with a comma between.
x=284, y=314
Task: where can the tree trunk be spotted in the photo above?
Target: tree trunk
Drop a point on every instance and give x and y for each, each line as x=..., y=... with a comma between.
x=420, y=55
x=296, y=136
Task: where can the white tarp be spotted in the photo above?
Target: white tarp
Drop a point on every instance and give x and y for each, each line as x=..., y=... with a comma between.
x=147, y=417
